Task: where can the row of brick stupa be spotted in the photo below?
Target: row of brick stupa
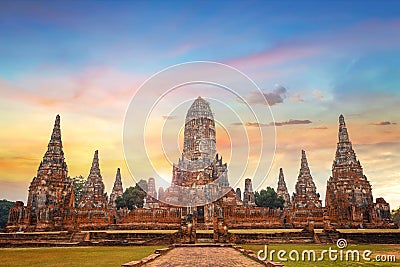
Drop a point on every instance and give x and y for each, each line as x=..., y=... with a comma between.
x=349, y=200
x=93, y=193
x=50, y=204
x=51, y=198
x=305, y=195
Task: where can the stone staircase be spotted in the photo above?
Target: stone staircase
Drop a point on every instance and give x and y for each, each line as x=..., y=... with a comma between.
x=278, y=237
x=205, y=237
x=77, y=237
x=326, y=237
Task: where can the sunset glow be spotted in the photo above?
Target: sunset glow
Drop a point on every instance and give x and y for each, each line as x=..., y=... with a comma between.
x=86, y=60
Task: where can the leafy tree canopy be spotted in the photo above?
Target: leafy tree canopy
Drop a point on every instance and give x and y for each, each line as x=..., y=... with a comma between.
x=132, y=198
x=5, y=206
x=78, y=183
x=268, y=198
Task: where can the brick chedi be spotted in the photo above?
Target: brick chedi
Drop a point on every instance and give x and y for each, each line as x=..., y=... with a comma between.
x=306, y=203
x=349, y=198
x=117, y=190
x=151, y=197
x=199, y=187
x=305, y=195
x=161, y=193
x=238, y=193
x=382, y=210
x=93, y=195
x=248, y=194
x=51, y=194
x=282, y=190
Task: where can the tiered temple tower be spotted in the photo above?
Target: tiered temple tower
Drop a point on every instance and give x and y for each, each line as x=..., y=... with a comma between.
x=151, y=188
x=306, y=206
x=349, y=198
x=51, y=194
x=161, y=194
x=305, y=195
x=199, y=136
x=200, y=174
x=282, y=190
x=117, y=190
x=151, y=197
x=199, y=164
x=238, y=194
x=93, y=196
x=248, y=194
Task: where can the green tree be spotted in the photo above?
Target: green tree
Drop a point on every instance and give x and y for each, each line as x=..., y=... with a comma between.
x=5, y=206
x=78, y=183
x=268, y=198
x=396, y=216
x=132, y=198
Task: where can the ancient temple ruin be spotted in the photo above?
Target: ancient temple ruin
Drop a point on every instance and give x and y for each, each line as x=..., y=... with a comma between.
x=306, y=203
x=282, y=190
x=305, y=195
x=151, y=197
x=349, y=200
x=248, y=194
x=117, y=190
x=199, y=187
x=200, y=177
x=93, y=195
x=51, y=194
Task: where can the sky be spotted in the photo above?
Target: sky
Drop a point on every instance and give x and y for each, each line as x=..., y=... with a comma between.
x=86, y=60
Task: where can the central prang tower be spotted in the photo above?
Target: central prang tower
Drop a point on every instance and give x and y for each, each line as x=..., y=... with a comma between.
x=199, y=164
x=199, y=136
x=200, y=176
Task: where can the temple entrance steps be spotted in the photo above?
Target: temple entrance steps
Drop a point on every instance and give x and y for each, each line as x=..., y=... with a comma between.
x=265, y=236
x=204, y=226
x=77, y=237
x=205, y=236
x=327, y=237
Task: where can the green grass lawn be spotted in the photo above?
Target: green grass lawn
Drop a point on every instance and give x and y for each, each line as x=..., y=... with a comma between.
x=115, y=256
x=73, y=256
x=377, y=249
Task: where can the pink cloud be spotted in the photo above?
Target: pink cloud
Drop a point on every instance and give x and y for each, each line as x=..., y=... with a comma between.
x=356, y=37
x=282, y=123
x=297, y=98
x=104, y=90
x=276, y=55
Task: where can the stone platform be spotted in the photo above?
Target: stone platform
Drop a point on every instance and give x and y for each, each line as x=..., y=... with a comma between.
x=168, y=237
